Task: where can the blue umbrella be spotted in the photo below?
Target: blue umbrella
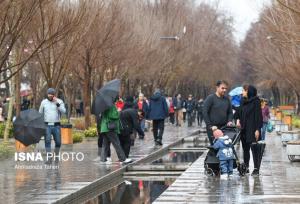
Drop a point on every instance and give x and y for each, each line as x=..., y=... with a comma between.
x=236, y=91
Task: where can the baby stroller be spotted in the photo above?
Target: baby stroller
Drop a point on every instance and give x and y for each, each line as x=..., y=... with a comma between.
x=211, y=162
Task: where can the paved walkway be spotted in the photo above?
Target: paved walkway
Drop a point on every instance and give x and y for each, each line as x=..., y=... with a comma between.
x=43, y=185
x=279, y=182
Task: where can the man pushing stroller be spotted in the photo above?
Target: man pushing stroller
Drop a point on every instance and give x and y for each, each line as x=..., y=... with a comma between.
x=224, y=145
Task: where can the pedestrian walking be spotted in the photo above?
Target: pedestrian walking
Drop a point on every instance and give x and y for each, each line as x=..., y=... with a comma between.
x=110, y=128
x=100, y=142
x=250, y=119
x=199, y=109
x=171, y=111
x=190, y=106
x=158, y=111
x=129, y=119
x=266, y=117
x=52, y=108
x=217, y=111
x=120, y=104
x=178, y=105
x=142, y=105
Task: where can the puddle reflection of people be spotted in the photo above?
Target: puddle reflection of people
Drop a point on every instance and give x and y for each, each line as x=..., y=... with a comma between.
x=53, y=179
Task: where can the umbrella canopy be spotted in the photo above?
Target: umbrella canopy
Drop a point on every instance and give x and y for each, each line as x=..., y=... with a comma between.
x=106, y=96
x=29, y=127
x=236, y=91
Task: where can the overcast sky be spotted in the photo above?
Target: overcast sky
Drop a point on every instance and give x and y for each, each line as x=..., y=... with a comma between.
x=244, y=13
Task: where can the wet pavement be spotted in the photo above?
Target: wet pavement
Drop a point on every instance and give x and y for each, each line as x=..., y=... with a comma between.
x=18, y=184
x=279, y=181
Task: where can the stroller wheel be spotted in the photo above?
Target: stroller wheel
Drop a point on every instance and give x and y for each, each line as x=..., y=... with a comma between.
x=209, y=172
x=242, y=169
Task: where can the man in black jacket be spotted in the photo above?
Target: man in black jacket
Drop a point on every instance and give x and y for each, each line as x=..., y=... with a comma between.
x=217, y=111
x=129, y=119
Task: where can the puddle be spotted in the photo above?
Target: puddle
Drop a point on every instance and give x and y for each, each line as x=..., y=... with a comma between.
x=178, y=157
x=141, y=192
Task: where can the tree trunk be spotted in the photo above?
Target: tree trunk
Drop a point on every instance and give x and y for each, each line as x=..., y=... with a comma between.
x=17, y=92
x=87, y=96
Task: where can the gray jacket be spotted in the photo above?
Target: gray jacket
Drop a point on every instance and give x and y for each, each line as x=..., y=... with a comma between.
x=51, y=111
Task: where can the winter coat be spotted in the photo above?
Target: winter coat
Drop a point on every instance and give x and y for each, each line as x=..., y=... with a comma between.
x=110, y=115
x=120, y=105
x=158, y=108
x=129, y=121
x=224, y=147
x=144, y=106
x=265, y=114
x=199, y=106
x=250, y=116
x=190, y=106
x=178, y=104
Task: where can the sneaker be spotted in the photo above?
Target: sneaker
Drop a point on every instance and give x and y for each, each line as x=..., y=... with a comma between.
x=223, y=176
x=255, y=172
x=108, y=160
x=159, y=142
x=127, y=161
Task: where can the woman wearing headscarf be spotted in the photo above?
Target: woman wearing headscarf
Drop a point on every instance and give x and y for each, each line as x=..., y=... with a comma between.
x=250, y=120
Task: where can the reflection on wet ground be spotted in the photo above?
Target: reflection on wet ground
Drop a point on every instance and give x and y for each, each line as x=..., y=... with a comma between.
x=178, y=157
x=130, y=192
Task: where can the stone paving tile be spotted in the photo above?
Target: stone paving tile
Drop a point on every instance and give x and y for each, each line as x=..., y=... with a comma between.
x=279, y=182
x=24, y=185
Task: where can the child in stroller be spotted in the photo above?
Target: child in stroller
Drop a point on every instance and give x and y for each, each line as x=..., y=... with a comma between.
x=225, y=154
x=212, y=162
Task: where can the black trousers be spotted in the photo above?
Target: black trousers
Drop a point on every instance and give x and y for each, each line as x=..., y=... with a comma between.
x=113, y=138
x=172, y=118
x=246, y=151
x=125, y=142
x=199, y=118
x=100, y=145
x=158, y=129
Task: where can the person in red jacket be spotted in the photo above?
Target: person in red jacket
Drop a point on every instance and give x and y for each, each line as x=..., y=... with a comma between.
x=120, y=104
x=171, y=111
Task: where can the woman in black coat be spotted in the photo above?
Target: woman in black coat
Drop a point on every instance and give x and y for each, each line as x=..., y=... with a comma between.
x=250, y=120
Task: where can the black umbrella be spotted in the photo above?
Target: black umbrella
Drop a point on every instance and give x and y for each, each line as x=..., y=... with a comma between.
x=106, y=96
x=258, y=152
x=29, y=127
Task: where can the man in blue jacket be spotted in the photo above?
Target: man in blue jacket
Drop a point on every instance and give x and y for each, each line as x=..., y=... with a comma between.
x=158, y=111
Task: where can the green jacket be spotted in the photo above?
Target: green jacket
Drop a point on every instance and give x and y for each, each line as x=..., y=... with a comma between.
x=109, y=115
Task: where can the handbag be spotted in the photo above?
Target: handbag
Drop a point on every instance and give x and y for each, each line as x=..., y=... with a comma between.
x=112, y=125
x=270, y=127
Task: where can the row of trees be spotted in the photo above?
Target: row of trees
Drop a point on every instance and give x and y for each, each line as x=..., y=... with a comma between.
x=75, y=46
x=270, y=52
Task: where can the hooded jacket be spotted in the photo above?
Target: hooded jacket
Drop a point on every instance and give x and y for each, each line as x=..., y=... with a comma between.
x=129, y=122
x=224, y=147
x=158, y=107
x=250, y=116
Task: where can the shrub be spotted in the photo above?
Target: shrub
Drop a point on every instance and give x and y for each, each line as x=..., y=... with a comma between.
x=77, y=137
x=296, y=121
x=5, y=151
x=79, y=124
x=2, y=129
x=91, y=132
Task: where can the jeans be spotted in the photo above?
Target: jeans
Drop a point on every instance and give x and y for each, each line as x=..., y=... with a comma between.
x=190, y=118
x=114, y=139
x=158, y=129
x=143, y=125
x=226, y=166
x=55, y=131
x=263, y=130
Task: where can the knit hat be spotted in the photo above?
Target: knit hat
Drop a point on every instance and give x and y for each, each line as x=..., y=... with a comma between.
x=51, y=91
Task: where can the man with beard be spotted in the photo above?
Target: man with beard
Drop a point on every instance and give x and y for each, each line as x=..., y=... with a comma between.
x=217, y=111
x=52, y=108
